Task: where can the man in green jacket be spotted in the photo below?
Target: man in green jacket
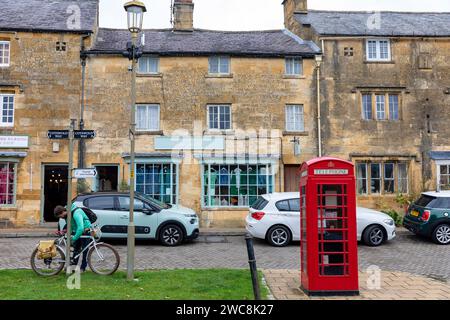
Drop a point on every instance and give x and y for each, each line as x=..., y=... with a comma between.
x=80, y=225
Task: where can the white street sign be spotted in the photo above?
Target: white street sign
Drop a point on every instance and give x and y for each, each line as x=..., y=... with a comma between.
x=84, y=173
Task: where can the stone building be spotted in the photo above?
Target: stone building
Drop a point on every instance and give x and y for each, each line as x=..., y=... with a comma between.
x=222, y=116
x=40, y=89
x=385, y=95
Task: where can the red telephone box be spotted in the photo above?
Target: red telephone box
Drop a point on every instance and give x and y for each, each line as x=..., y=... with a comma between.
x=329, y=253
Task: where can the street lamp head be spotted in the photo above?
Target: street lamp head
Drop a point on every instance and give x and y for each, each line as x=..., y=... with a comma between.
x=135, y=12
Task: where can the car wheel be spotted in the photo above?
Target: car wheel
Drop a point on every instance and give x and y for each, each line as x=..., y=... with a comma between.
x=374, y=236
x=441, y=234
x=279, y=236
x=171, y=235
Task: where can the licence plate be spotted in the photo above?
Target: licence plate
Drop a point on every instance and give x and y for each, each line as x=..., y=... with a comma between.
x=415, y=213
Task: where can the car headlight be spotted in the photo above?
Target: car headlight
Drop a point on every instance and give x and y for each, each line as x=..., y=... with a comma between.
x=389, y=222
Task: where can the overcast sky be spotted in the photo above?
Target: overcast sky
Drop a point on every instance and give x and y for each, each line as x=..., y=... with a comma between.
x=250, y=14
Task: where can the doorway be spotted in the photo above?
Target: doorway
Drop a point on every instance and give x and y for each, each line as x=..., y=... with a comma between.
x=55, y=189
x=107, y=178
x=291, y=178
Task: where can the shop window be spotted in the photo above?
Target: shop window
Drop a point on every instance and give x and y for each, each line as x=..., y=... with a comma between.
x=381, y=177
x=235, y=185
x=7, y=183
x=4, y=53
x=159, y=181
x=7, y=110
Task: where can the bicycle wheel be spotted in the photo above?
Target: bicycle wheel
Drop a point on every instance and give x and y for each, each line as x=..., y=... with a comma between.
x=103, y=259
x=48, y=267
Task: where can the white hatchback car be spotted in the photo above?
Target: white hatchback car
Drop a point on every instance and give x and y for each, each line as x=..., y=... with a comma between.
x=276, y=218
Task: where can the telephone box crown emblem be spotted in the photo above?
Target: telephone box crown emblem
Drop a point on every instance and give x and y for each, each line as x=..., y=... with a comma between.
x=330, y=164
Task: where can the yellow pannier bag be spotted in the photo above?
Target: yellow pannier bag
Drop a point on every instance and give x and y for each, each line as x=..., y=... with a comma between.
x=46, y=249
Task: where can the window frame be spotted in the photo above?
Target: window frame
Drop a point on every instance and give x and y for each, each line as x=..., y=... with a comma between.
x=147, y=107
x=378, y=50
x=382, y=178
x=7, y=124
x=302, y=122
x=174, y=180
x=6, y=65
x=291, y=61
x=157, y=58
x=208, y=123
x=387, y=107
x=14, y=202
x=219, y=58
x=206, y=197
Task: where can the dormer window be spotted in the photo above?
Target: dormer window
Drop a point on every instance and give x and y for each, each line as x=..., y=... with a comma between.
x=378, y=50
x=4, y=53
x=219, y=65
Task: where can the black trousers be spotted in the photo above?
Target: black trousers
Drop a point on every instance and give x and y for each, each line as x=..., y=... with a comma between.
x=78, y=246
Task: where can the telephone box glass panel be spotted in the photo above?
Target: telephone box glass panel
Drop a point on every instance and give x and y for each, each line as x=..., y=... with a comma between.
x=333, y=229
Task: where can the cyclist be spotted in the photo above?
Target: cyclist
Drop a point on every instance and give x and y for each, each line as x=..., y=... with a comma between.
x=80, y=226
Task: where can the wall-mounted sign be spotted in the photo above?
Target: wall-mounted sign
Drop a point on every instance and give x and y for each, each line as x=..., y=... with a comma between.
x=189, y=143
x=330, y=171
x=84, y=173
x=14, y=141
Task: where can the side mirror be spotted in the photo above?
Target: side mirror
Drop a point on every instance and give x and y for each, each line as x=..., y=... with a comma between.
x=148, y=211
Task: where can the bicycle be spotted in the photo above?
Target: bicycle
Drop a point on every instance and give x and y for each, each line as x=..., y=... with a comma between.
x=102, y=258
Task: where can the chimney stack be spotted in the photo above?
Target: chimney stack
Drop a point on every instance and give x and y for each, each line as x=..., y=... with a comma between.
x=290, y=8
x=183, y=15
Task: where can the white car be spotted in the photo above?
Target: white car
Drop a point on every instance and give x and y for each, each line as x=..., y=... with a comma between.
x=275, y=217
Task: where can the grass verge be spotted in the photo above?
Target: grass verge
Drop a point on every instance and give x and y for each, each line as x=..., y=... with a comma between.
x=206, y=284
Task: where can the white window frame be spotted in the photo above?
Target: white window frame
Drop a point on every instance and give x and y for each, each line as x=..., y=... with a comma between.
x=219, y=59
x=3, y=65
x=380, y=107
x=440, y=163
x=219, y=106
x=6, y=124
x=148, y=66
x=378, y=50
x=297, y=122
x=291, y=61
x=13, y=204
x=159, y=117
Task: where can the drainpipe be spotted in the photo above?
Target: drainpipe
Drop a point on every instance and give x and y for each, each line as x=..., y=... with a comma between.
x=82, y=144
x=319, y=125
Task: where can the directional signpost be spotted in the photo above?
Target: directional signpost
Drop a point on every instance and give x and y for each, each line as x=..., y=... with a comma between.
x=84, y=173
x=77, y=173
x=64, y=134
